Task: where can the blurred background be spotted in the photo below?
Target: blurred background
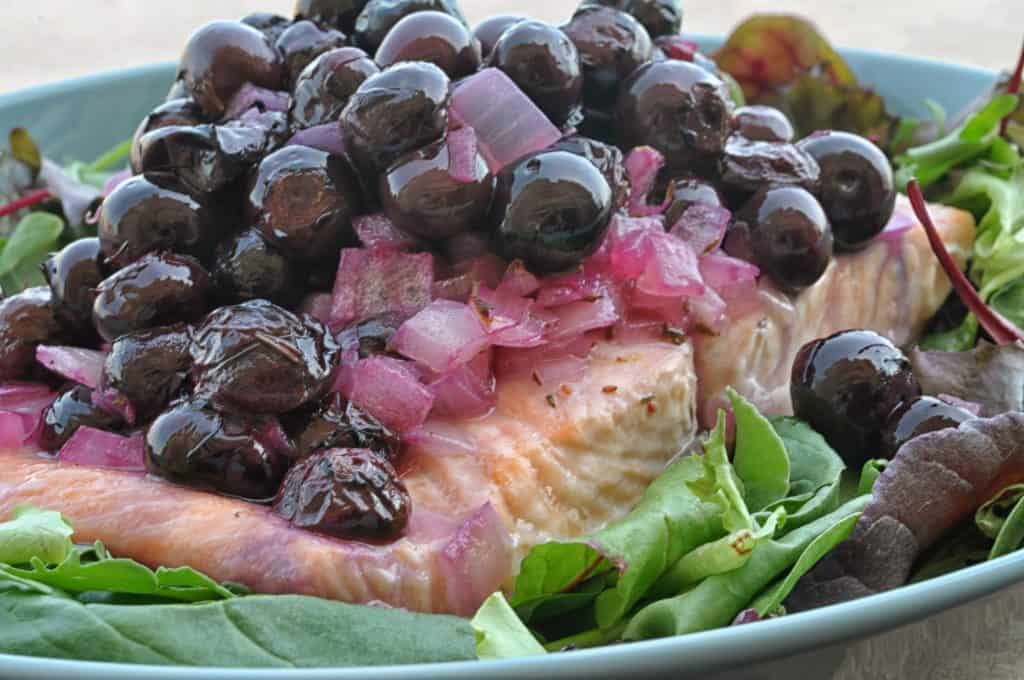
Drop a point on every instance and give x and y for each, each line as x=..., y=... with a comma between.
x=46, y=40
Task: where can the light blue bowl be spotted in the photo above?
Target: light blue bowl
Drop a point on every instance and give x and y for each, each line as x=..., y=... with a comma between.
x=83, y=117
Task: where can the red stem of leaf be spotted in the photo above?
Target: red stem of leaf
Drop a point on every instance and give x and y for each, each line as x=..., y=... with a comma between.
x=1013, y=87
x=1000, y=328
x=26, y=201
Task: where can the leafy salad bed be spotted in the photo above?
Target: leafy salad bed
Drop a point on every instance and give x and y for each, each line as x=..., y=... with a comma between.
x=722, y=537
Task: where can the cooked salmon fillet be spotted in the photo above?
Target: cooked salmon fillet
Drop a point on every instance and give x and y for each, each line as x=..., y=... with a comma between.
x=553, y=461
x=892, y=287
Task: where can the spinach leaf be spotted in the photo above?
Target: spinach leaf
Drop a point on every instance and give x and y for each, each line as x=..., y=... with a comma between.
x=499, y=632
x=716, y=600
x=34, y=533
x=760, y=457
x=815, y=473
x=36, y=235
x=688, y=505
x=255, y=631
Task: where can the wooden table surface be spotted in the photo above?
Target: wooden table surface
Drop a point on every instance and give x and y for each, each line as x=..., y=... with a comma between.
x=46, y=40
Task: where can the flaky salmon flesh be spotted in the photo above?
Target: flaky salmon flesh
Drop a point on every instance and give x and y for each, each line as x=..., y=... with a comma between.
x=551, y=461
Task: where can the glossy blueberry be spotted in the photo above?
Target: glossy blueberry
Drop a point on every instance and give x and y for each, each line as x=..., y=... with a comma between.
x=393, y=112
x=256, y=357
x=846, y=385
x=302, y=200
x=27, y=320
x=790, y=237
x=155, y=290
x=550, y=210
x=323, y=89
x=679, y=109
x=194, y=445
x=434, y=37
x=303, y=42
x=422, y=197
x=544, y=63
x=145, y=214
x=611, y=45
x=70, y=411
x=857, y=188
x=222, y=56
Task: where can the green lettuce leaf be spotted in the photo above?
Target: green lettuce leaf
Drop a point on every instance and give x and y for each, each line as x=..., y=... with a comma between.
x=771, y=600
x=815, y=473
x=715, y=601
x=92, y=569
x=33, y=238
x=1001, y=519
x=760, y=456
x=869, y=474
x=275, y=631
x=500, y=634
x=32, y=533
x=696, y=500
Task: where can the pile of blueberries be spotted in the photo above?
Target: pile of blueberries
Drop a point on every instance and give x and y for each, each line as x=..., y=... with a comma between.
x=204, y=256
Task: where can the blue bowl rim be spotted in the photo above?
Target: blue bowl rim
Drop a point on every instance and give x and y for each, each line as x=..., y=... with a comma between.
x=705, y=651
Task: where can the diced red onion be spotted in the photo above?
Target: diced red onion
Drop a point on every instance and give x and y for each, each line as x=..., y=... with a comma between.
x=671, y=268
x=249, y=96
x=457, y=289
x=535, y=361
x=327, y=137
x=566, y=288
x=442, y=336
x=508, y=124
x=643, y=165
x=25, y=398
x=115, y=181
x=519, y=281
x=377, y=231
x=426, y=526
x=901, y=223
x=623, y=254
x=721, y=271
x=476, y=560
x=460, y=393
x=97, y=448
x=463, y=151
x=508, y=318
x=389, y=390
x=317, y=305
x=640, y=326
x=669, y=308
x=709, y=311
x=578, y=318
x=441, y=438
x=83, y=366
x=741, y=299
x=702, y=226
x=371, y=282
x=969, y=406
x=112, y=401
x=15, y=430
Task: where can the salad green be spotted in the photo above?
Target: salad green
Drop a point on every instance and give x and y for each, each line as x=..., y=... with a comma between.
x=68, y=601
